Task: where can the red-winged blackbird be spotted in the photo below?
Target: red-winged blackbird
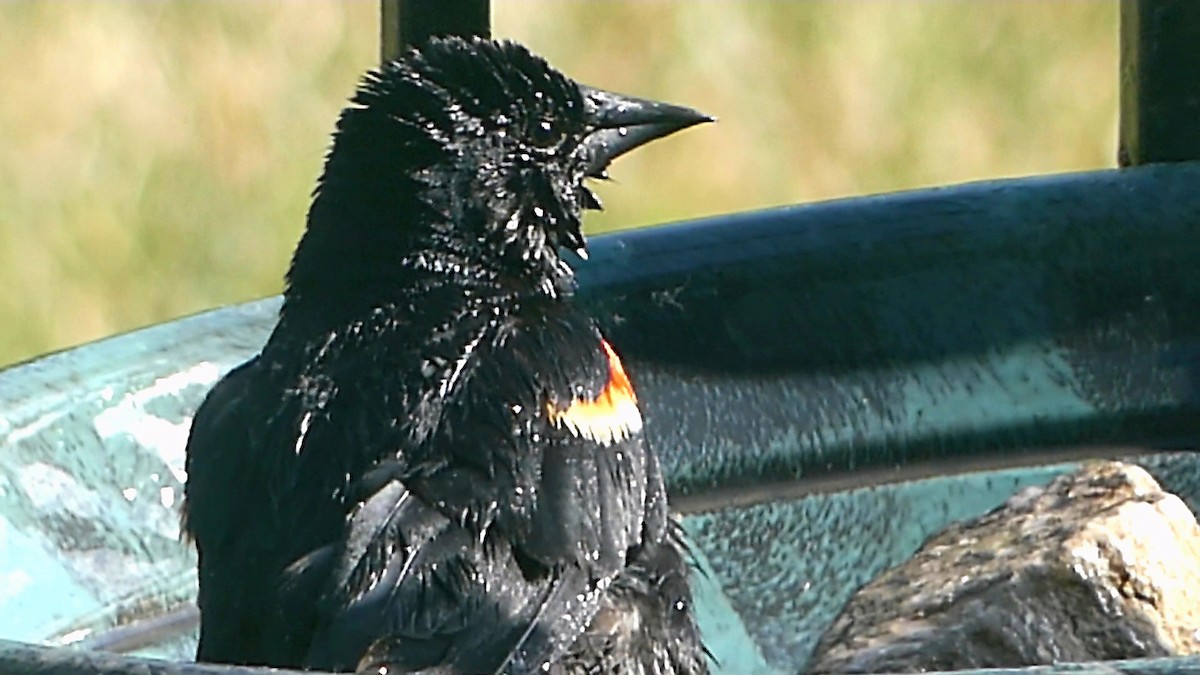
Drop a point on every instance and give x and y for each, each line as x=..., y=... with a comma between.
x=436, y=463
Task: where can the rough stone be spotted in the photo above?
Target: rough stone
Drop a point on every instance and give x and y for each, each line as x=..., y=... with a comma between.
x=1100, y=564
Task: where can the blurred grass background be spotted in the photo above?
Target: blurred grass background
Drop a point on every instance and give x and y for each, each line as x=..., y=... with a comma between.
x=156, y=159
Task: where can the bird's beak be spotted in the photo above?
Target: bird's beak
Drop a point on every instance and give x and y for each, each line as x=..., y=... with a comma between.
x=623, y=123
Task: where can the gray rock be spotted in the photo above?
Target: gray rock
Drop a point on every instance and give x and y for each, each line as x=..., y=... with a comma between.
x=1100, y=564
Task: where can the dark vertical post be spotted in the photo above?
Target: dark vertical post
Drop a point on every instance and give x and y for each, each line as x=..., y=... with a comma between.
x=408, y=22
x=1160, y=81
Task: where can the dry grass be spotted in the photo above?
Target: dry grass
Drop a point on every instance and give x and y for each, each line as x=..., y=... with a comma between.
x=156, y=158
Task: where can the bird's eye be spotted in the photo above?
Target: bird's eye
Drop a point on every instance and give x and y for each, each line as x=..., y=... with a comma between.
x=542, y=134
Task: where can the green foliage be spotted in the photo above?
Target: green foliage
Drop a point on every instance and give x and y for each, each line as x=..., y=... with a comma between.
x=156, y=159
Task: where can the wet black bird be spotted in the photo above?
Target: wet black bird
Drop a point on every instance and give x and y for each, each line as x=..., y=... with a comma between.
x=436, y=463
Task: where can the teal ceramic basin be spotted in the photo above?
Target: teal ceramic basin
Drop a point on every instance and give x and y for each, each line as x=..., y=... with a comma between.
x=828, y=385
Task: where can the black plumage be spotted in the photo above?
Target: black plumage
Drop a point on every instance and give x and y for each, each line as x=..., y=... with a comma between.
x=436, y=463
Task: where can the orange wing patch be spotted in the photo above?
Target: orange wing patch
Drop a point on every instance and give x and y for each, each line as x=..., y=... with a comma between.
x=610, y=417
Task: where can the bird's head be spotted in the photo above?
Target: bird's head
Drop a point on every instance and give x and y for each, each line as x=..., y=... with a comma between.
x=468, y=153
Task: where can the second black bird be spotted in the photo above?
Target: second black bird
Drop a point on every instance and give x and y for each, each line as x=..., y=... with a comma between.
x=437, y=463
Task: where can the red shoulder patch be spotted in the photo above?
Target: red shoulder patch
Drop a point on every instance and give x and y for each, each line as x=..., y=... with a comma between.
x=610, y=417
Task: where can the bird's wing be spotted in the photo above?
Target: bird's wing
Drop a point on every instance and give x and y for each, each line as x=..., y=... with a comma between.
x=446, y=556
x=376, y=578
x=442, y=600
x=589, y=476
x=591, y=492
x=549, y=417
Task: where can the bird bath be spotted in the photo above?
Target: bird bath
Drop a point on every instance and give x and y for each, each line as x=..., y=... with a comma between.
x=827, y=385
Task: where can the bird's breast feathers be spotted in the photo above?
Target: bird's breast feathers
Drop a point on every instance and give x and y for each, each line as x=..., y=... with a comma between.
x=612, y=416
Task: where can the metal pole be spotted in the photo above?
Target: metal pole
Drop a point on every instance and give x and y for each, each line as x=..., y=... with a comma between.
x=404, y=23
x=1160, y=81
